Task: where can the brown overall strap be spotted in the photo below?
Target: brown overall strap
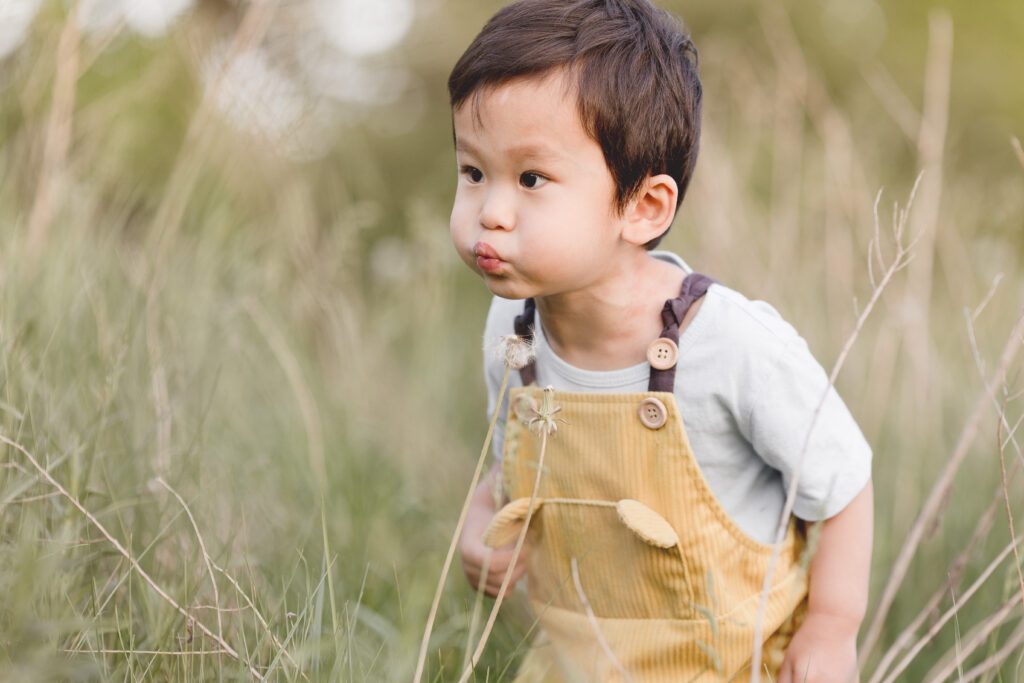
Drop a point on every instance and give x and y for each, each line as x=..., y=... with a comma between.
x=694, y=286
x=524, y=328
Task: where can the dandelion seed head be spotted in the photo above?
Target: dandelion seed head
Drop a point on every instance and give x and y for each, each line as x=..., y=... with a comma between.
x=514, y=351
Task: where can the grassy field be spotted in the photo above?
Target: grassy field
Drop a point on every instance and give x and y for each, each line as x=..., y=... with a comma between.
x=241, y=390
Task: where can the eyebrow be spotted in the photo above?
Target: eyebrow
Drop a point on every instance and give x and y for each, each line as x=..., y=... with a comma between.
x=519, y=151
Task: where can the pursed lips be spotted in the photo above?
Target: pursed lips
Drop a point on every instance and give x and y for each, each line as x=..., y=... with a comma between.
x=487, y=258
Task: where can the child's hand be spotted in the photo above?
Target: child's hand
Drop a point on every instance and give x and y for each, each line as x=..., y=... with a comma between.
x=823, y=650
x=473, y=553
x=473, y=550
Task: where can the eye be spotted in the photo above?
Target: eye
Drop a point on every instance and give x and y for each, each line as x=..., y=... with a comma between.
x=474, y=174
x=532, y=180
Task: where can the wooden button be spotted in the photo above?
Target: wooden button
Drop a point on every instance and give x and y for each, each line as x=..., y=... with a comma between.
x=662, y=354
x=653, y=413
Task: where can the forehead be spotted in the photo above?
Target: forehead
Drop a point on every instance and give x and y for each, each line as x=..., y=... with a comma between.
x=531, y=116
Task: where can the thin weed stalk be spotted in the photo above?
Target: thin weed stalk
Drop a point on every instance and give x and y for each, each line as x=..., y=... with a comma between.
x=58, y=135
x=547, y=426
x=951, y=612
x=1012, y=646
x=953, y=660
x=202, y=548
x=478, y=603
x=592, y=620
x=900, y=259
x=425, y=642
x=984, y=523
x=956, y=572
x=1006, y=496
x=128, y=556
x=939, y=494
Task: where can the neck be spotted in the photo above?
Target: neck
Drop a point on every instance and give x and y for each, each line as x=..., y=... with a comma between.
x=609, y=324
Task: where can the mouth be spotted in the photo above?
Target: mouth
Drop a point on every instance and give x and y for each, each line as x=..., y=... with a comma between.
x=487, y=259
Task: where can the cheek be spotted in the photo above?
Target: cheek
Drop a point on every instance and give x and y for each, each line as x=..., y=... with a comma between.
x=460, y=227
x=459, y=221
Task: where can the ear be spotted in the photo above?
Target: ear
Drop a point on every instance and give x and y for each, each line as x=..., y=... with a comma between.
x=651, y=212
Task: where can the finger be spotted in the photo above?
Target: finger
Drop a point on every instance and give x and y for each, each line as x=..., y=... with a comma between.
x=494, y=582
x=497, y=570
x=498, y=579
x=785, y=673
x=475, y=574
x=505, y=554
x=494, y=587
x=472, y=556
x=501, y=563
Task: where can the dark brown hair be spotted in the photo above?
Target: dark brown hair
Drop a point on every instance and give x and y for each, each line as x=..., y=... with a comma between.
x=638, y=92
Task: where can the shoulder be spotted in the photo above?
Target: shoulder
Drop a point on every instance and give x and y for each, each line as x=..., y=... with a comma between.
x=748, y=327
x=751, y=315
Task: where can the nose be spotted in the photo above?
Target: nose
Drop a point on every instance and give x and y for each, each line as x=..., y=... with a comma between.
x=498, y=210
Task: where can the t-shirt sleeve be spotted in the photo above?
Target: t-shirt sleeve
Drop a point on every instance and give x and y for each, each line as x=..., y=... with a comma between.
x=783, y=399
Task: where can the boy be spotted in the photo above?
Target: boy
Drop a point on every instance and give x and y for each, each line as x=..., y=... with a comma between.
x=684, y=406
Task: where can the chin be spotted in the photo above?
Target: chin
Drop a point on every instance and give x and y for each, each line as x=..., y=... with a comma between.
x=505, y=288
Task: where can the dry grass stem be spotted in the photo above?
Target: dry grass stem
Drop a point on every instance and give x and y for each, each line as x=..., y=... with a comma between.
x=300, y=388
x=425, y=642
x=953, y=659
x=940, y=490
x=478, y=603
x=184, y=174
x=33, y=499
x=1017, y=150
x=931, y=144
x=594, y=625
x=186, y=170
x=1006, y=496
x=957, y=567
x=158, y=387
x=58, y=135
x=202, y=548
x=547, y=412
x=984, y=523
x=169, y=653
x=979, y=364
x=1012, y=646
x=131, y=560
x=950, y=613
x=899, y=260
x=259, y=617
x=987, y=298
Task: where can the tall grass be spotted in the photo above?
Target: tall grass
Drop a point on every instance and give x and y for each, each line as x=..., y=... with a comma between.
x=253, y=389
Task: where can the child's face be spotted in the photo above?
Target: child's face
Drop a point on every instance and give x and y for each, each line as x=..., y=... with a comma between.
x=534, y=187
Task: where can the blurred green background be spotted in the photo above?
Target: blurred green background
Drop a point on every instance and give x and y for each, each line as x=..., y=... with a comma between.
x=225, y=273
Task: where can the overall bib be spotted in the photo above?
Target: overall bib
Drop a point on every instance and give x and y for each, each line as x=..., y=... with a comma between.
x=668, y=585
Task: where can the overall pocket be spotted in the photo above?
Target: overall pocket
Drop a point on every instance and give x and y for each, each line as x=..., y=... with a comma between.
x=627, y=558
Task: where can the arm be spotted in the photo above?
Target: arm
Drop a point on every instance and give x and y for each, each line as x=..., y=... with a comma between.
x=824, y=648
x=471, y=545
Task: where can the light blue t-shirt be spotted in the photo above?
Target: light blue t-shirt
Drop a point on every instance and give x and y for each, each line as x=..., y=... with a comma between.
x=747, y=387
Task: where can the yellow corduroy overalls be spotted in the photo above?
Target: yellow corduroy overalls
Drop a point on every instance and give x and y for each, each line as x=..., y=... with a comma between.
x=668, y=585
